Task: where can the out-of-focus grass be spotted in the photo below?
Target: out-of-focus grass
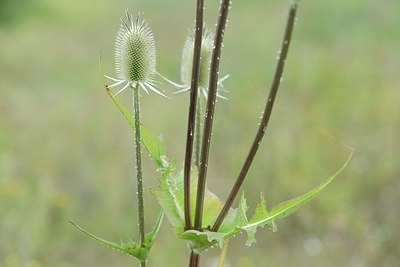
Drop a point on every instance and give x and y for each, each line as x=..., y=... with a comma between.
x=66, y=153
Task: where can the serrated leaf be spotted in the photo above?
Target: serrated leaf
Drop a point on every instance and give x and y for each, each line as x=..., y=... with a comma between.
x=260, y=213
x=236, y=221
x=286, y=208
x=236, y=217
x=167, y=195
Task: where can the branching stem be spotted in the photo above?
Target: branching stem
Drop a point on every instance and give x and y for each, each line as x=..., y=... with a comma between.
x=139, y=173
x=264, y=119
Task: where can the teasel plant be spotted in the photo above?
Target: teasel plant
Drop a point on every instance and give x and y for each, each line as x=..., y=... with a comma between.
x=196, y=214
x=135, y=64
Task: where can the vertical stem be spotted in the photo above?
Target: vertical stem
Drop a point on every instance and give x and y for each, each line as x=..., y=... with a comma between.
x=212, y=92
x=197, y=136
x=224, y=251
x=264, y=119
x=194, y=259
x=192, y=111
x=139, y=174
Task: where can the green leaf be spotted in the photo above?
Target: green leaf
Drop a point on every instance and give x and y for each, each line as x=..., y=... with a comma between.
x=130, y=248
x=150, y=237
x=260, y=213
x=170, y=196
x=201, y=241
x=153, y=145
x=286, y=208
x=236, y=217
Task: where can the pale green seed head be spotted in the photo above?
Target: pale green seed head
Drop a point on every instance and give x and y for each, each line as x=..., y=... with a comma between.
x=205, y=58
x=135, y=51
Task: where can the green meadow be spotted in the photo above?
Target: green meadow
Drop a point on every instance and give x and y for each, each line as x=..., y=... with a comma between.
x=66, y=153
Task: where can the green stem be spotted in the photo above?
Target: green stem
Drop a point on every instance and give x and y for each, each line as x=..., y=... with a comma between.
x=222, y=257
x=197, y=136
x=139, y=174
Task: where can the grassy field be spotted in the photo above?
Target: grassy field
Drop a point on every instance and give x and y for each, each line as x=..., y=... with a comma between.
x=67, y=154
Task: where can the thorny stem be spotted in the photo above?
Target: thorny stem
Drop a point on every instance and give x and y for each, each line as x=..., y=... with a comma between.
x=209, y=114
x=264, y=119
x=139, y=174
x=194, y=259
x=192, y=110
x=197, y=136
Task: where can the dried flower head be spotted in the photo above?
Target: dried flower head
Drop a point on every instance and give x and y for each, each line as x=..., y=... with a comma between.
x=135, y=55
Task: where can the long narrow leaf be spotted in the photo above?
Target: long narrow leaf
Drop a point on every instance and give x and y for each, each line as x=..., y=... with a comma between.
x=169, y=196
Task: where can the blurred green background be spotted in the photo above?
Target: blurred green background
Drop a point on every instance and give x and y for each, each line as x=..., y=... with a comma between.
x=66, y=153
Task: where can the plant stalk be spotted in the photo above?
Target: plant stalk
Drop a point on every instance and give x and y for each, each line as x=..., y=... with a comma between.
x=209, y=114
x=197, y=136
x=224, y=251
x=194, y=259
x=264, y=119
x=192, y=110
x=139, y=173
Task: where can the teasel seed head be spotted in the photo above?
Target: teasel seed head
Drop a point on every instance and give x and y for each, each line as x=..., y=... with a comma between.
x=135, y=51
x=207, y=47
x=205, y=58
x=135, y=56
